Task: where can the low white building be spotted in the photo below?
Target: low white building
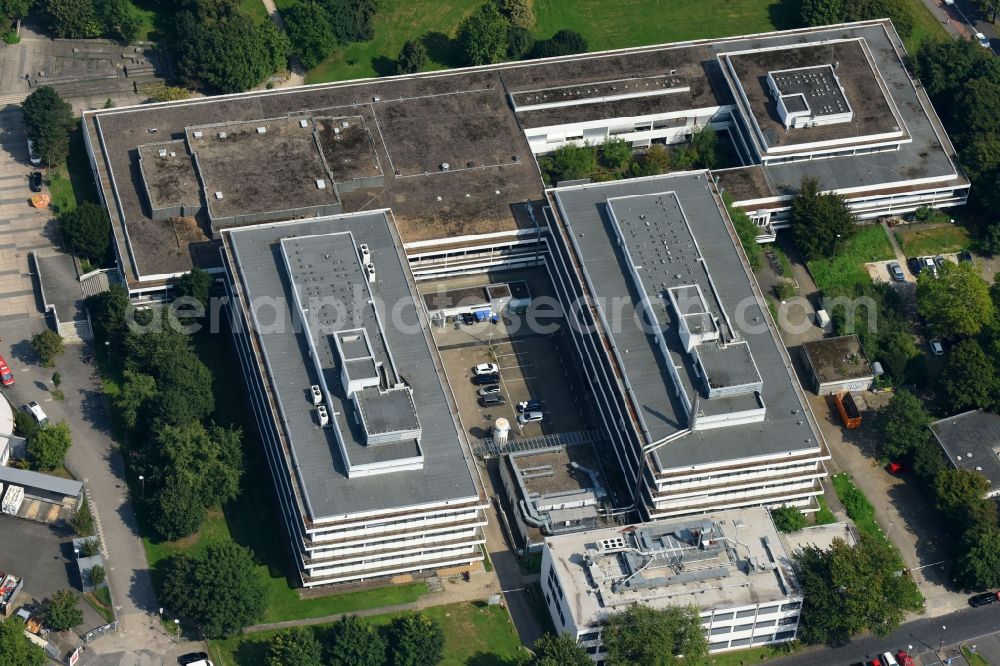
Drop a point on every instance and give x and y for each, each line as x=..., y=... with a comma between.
x=732, y=566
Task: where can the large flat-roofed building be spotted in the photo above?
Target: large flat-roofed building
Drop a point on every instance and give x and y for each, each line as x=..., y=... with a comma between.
x=971, y=441
x=731, y=566
x=452, y=153
x=694, y=387
x=370, y=470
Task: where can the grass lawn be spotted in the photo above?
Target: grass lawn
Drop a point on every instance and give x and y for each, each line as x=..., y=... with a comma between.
x=474, y=634
x=847, y=269
x=752, y=656
x=857, y=505
x=934, y=240
x=255, y=9
x=72, y=182
x=973, y=658
x=824, y=516
x=241, y=521
x=925, y=26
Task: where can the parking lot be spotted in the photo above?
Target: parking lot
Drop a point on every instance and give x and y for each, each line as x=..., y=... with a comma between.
x=43, y=556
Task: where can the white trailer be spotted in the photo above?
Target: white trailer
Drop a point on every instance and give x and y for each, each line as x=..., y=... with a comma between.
x=12, y=500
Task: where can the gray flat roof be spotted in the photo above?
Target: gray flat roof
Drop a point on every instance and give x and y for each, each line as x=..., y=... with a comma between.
x=319, y=465
x=972, y=441
x=786, y=427
x=347, y=148
x=44, y=482
x=837, y=359
x=60, y=285
x=169, y=175
x=816, y=88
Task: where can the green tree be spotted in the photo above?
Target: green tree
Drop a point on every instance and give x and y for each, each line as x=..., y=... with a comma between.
x=220, y=49
x=968, y=379
x=416, y=640
x=517, y=12
x=960, y=494
x=656, y=160
x=788, y=519
x=944, y=66
x=354, y=642
x=704, y=142
x=177, y=508
x=897, y=10
x=928, y=461
x=195, y=284
x=107, y=312
x=47, y=448
x=185, y=387
x=48, y=345
x=616, y=154
x=819, y=221
x=482, y=36
x=213, y=455
x=97, y=575
x=569, y=163
x=170, y=94
x=412, y=58
x=848, y=590
x=747, y=232
x=520, y=42
x=72, y=19
x=83, y=520
x=49, y=119
x=559, y=650
x=295, y=646
x=351, y=19
x=978, y=565
x=956, y=302
x=62, y=611
x=120, y=18
x=15, y=9
x=86, y=229
x=220, y=590
x=902, y=424
x=310, y=32
x=137, y=392
x=564, y=42
x=15, y=648
x=822, y=12
x=654, y=637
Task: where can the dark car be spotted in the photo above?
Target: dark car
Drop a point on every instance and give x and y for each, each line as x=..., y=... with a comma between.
x=529, y=406
x=35, y=181
x=984, y=599
x=939, y=261
x=467, y=319
x=965, y=257
x=491, y=400
x=483, y=380
x=914, y=265
x=192, y=657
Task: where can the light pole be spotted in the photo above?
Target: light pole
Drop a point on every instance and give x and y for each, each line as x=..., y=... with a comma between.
x=107, y=345
x=941, y=644
x=177, y=630
x=836, y=240
x=142, y=480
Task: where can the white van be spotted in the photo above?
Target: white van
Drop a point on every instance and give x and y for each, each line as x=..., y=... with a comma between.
x=32, y=157
x=887, y=659
x=36, y=412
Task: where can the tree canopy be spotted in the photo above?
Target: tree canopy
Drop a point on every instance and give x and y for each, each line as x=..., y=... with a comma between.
x=86, y=230
x=978, y=565
x=72, y=19
x=416, y=640
x=518, y=12
x=48, y=345
x=295, y=646
x=968, y=379
x=195, y=284
x=47, y=448
x=221, y=49
x=564, y=42
x=351, y=20
x=569, y=163
x=15, y=648
x=354, y=642
x=788, y=519
x=849, y=590
x=902, y=424
x=220, y=590
x=62, y=611
x=654, y=637
x=960, y=495
x=310, y=32
x=820, y=221
x=482, y=36
x=15, y=9
x=559, y=650
x=956, y=302
x=412, y=58
x=49, y=119
x=120, y=20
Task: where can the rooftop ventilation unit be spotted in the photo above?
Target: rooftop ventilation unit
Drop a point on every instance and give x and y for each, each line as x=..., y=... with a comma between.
x=324, y=417
x=173, y=154
x=198, y=135
x=370, y=268
x=366, y=257
x=163, y=152
x=376, y=99
x=222, y=135
x=151, y=130
x=261, y=130
x=218, y=195
x=320, y=184
x=317, y=395
x=303, y=123
x=345, y=124
x=336, y=130
x=445, y=166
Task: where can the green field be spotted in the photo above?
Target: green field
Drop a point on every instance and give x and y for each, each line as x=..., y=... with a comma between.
x=859, y=508
x=605, y=24
x=474, y=634
x=847, y=268
x=935, y=240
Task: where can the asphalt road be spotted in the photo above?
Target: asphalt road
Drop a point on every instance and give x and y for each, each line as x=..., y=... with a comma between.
x=924, y=635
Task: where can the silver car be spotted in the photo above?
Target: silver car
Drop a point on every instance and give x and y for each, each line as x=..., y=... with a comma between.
x=529, y=417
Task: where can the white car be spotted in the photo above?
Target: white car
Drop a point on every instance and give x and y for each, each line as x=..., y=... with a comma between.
x=36, y=412
x=981, y=38
x=936, y=347
x=486, y=369
x=529, y=417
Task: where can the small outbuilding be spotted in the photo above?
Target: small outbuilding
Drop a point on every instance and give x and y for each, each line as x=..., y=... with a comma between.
x=971, y=441
x=837, y=365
